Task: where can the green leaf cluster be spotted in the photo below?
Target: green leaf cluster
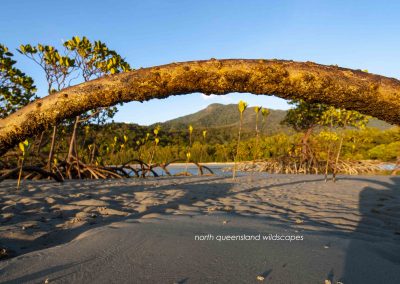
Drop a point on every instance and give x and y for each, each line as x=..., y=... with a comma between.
x=95, y=59
x=16, y=88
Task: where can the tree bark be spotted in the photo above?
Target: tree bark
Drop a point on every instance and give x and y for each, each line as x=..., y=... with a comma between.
x=345, y=88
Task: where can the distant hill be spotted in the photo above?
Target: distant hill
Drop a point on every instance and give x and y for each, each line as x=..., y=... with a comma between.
x=225, y=118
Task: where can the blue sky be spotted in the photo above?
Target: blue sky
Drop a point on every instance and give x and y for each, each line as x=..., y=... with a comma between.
x=354, y=34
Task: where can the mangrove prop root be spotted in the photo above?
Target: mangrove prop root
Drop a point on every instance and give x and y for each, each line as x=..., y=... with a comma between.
x=78, y=169
x=38, y=170
x=369, y=94
x=290, y=166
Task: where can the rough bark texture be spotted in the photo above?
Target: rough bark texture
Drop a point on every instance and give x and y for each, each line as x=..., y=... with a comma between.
x=351, y=89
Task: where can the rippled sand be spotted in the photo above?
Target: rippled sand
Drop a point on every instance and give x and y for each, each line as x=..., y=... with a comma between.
x=44, y=214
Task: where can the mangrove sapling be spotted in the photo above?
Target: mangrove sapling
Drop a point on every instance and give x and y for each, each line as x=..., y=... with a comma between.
x=241, y=107
x=119, y=151
x=92, y=148
x=189, y=148
x=142, y=149
x=264, y=112
x=190, y=135
x=155, y=144
x=140, y=144
x=188, y=155
x=203, y=145
x=123, y=147
x=256, y=148
x=23, y=146
x=142, y=152
x=114, y=144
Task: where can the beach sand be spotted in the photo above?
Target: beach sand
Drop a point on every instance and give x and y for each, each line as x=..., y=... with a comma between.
x=148, y=231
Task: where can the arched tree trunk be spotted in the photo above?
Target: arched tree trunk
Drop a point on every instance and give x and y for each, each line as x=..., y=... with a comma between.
x=356, y=90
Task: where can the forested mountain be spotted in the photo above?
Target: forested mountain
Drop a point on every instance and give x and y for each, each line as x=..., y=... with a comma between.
x=219, y=117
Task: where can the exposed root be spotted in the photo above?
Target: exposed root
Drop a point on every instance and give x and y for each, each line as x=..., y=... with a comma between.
x=76, y=169
x=290, y=166
x=43, y=173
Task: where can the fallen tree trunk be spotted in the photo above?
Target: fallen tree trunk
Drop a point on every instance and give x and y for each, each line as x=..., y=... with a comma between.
x=351, y=89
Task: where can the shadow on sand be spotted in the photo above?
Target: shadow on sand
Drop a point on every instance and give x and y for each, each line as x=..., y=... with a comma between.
x=373, y=255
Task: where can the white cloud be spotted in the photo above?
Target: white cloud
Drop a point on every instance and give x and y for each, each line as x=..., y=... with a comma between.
x=208, y=97
x=223, y=98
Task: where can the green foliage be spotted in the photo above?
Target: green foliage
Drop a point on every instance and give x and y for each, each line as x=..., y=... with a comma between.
x=16, y=88
x=93, y=60
x=265, y=112
x=309, y=115
x=385, y=152
x=343, y=118
x=155, y=131
x=328, y=135
x=23, y=146
x=56, y=66
x=304, y=115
